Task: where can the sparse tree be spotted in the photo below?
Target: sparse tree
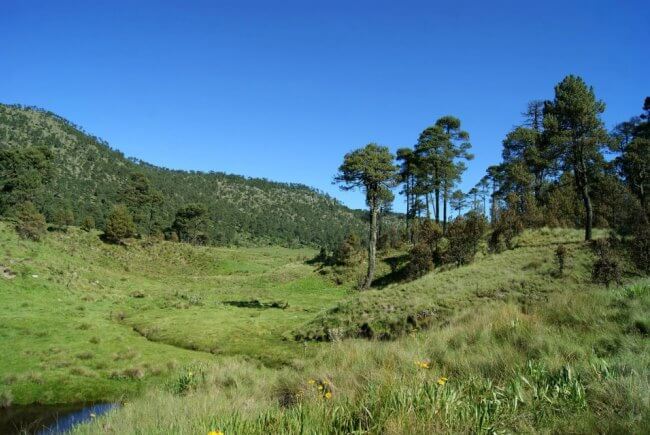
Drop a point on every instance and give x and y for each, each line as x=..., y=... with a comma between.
x=456, y=151
x=371, y=169
x=577, y=135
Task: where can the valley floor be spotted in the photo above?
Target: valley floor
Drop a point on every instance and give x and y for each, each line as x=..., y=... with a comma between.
x=202, y=339
x=83, y=320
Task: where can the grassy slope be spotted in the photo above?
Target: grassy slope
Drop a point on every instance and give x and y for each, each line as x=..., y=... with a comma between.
x=524, y=274
x=555, y=354
x=74, y=316
x=524, y=350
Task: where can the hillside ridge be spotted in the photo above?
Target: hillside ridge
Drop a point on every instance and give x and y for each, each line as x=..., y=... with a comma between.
x=89, y=173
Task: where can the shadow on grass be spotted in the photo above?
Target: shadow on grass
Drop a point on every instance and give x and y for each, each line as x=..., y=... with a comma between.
x=254, y=303
x=397, y=274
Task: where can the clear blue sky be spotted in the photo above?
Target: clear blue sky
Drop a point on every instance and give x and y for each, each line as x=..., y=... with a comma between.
x=282, y=90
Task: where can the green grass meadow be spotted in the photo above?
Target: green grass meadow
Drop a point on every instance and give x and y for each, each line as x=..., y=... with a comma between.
x=83, y=320
x=198, y=339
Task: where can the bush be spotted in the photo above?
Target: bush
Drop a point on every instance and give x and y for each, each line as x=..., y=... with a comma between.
x=346, y=250
x=464, y=235
x=192, y=224
x=119, y=225
x=606, y=268
x=88, y=223
x=430, y=233
x=63, y=217
x=420, y=261
x=506, y=227
x=30, y=224
x=390, y=237
x=189, y=379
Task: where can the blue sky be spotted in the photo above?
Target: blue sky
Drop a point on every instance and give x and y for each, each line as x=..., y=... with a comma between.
x=283, y=90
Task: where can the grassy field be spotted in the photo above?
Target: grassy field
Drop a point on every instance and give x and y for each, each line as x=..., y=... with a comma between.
x=573, y=362
x=200, y=339
x=83, y=320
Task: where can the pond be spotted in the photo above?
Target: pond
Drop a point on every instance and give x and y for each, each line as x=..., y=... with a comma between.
x=48, y=419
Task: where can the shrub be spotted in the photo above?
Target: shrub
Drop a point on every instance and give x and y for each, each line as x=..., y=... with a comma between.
x=88, y=223
x=464, y=235
x=531, y=215
x=63, y=217
x=119, y=225
x=506, y=227
x=189, y=379
x=346, y=250
x=30, y=224
x=429, y=232
x=606, y=268
x=192, y=223
x=420, y=261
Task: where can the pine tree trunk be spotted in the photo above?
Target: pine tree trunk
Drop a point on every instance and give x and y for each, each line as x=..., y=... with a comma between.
x=437, y=206
x=426, y=201
x=372, y=244
x=580, y=174
x=408, y=210
x=444, y=210
x=493, y=212
x=589, y=214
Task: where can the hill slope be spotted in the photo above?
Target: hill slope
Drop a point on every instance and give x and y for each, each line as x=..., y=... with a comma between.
x=89, y=175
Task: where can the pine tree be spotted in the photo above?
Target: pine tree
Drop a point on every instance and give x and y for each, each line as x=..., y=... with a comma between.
x=456, y=150
x=577, y=136
x=371, y=169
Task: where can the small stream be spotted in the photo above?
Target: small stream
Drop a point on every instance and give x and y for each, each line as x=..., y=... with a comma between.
x=49, y=419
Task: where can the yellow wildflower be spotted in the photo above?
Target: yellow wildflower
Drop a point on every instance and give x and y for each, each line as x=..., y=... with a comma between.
x=442, y=380
x=422, y=364
x=311, y=382
x=320, y=387
x=215, y=432
x=328, y=395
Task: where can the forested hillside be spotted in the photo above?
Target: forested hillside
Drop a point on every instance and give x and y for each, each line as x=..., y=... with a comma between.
x=88, y=178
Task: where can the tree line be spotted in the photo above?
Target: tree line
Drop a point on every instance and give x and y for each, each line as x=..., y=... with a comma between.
x=560, y=167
